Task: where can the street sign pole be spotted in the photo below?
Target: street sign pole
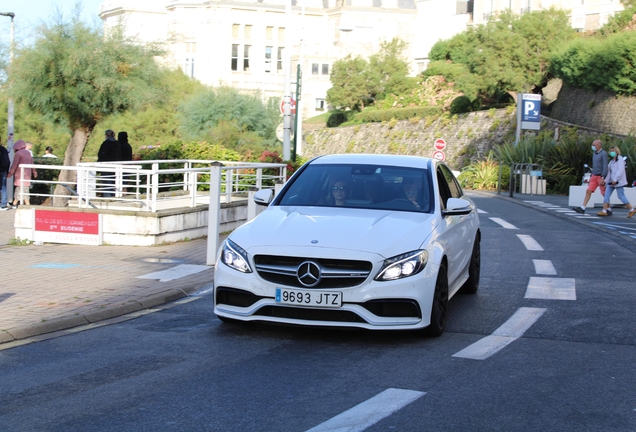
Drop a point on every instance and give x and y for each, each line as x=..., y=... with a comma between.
x=287, y=95
x=519, y=105
x=298, y=90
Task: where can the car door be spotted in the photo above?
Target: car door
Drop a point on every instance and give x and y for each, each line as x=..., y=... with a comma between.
x=456, y=230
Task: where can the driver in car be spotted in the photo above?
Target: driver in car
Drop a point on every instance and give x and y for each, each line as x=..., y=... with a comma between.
x=412, y=187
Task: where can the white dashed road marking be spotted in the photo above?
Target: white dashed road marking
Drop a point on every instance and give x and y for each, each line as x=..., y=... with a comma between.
x=551, y=289
x=368, y=413
x=482, y=211
x=175, y=272
x=510, y=331
x=503, y=223
x=544, y=267
x=530, y=243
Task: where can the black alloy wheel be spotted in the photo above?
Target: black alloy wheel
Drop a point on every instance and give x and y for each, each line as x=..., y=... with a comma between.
x=474, y=270
x=439, y=308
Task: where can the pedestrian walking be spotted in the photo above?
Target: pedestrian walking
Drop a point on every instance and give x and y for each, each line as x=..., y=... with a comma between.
x=5, y=164
x=109, y=151
x=616, y=180
x=48, y=152
x=599, y=172
x=21, y=177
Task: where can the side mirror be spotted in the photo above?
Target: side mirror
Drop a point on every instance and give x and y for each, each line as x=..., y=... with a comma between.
x=457, y=206
x=264, y=197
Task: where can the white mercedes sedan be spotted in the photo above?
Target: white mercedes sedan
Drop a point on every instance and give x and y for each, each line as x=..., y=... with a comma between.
x=368, y=241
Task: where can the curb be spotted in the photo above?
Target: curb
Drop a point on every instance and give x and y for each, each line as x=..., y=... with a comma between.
x=65, y=323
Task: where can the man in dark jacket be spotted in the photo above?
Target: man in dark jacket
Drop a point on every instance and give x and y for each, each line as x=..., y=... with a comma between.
x=126, y=149
x=109, y=151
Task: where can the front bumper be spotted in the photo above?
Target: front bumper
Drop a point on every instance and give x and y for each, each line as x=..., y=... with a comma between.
x=392, y=305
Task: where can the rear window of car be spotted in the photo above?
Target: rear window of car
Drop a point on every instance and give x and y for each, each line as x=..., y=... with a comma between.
x=360, y=186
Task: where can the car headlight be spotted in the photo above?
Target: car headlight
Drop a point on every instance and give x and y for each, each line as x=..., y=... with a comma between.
x=234, y=256
x=402, y=266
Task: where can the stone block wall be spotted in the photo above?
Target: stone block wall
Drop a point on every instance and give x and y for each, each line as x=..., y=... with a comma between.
x=601, y=110
x=466, y=135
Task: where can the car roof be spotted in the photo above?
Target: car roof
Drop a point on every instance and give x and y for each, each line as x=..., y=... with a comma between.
x=377, y=159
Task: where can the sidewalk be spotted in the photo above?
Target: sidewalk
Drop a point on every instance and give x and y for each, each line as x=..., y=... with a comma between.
x=53, y=287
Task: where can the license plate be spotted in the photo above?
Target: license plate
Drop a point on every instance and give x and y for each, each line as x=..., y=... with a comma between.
x=309, y=298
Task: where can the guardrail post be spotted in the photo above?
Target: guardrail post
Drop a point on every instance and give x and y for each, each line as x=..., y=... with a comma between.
x=251, y=205
x=155, y=187
x=214, y=212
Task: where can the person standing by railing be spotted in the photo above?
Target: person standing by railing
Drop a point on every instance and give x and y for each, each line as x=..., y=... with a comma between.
x=5, y=163
x=109, y=151
x=21, y=156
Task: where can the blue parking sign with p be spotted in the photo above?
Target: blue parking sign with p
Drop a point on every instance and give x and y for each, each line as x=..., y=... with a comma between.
x=530, y=111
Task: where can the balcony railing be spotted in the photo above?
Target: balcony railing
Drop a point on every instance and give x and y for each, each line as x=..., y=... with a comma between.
x=148, y=185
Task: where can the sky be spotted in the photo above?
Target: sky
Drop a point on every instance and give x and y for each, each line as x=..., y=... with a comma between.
x=29, y=13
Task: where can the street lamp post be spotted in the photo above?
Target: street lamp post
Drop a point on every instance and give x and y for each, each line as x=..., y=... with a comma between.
x=10, y=114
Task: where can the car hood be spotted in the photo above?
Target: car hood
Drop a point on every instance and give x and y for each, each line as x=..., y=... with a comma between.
x=278, y=229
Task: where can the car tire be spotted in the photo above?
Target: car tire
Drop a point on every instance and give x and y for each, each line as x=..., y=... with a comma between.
x=439, y=308
x=474, y=270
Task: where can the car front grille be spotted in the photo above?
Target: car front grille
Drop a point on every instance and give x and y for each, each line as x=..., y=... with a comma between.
x=283, y=270
x=310, y=314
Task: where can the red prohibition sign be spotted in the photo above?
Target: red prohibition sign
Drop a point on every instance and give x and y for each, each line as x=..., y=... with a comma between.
x=439, y=155
x=440, y=144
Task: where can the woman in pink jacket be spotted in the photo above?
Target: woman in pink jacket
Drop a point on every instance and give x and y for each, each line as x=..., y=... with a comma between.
x=21, y=156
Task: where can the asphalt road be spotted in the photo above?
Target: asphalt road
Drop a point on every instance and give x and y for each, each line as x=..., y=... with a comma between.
x=567, y=366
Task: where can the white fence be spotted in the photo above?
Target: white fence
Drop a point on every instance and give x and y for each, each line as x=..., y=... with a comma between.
x=152, y=185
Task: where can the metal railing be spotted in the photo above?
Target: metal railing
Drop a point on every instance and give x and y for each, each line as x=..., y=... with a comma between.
x=149, y=185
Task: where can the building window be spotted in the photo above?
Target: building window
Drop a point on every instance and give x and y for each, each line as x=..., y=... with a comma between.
x=281, y=33
x=314, y=68
x=246, y=57
x=247, y=31
x=325, y=69
x=235, y=30
x=269, y=33
x=279, y=59
x=320, y=104
x=189, y=67
x=235, y=49
x=268, y=59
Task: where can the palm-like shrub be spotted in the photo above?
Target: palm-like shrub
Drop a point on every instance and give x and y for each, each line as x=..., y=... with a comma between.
x=484, y=175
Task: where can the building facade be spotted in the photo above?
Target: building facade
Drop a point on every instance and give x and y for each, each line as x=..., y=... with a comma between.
x=242, y=43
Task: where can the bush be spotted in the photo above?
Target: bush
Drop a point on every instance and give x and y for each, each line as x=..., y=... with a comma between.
x=484, y=175
x=44, y=175
x=463, y=104
x=336, y=118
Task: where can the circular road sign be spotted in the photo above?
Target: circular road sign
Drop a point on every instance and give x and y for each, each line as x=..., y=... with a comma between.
x=292, y=107
x=280, y=132
x=440, y=144
x=439, y=155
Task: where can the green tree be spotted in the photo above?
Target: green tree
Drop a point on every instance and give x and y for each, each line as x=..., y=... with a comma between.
x=349, y=85
x=152, y=124
x=599, y=63
x=510, y=54
x=77, y=76
x=227, y=117
x=388, y=70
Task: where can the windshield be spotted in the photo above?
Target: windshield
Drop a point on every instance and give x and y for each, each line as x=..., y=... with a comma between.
x=361, y=186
